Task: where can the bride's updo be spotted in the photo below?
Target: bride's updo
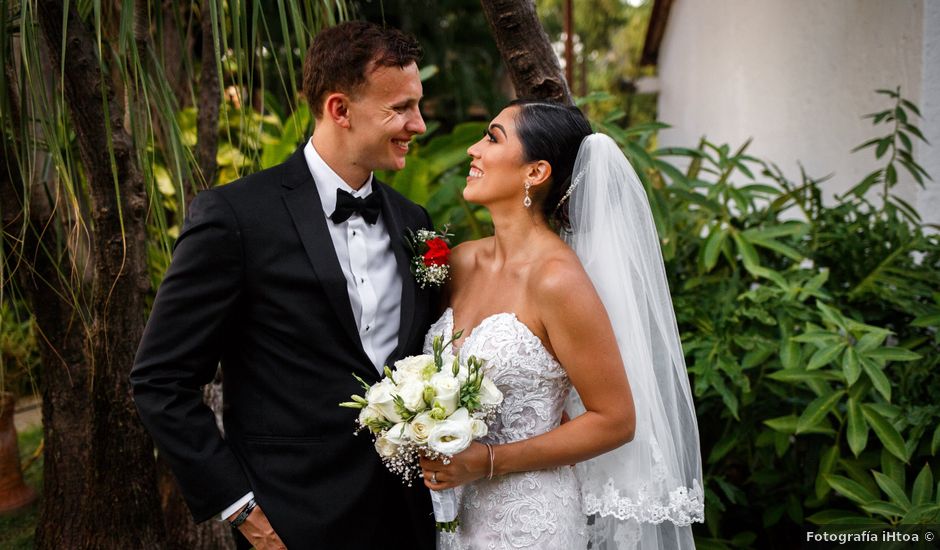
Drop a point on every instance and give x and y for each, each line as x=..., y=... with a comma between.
x=552, y=132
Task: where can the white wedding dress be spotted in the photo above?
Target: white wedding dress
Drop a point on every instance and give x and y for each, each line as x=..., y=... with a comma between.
x=539, y=509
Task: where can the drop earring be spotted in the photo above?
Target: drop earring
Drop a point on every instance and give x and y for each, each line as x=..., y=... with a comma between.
x=528, y=200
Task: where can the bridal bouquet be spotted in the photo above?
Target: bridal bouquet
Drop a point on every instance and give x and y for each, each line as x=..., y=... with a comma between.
x=428, y=405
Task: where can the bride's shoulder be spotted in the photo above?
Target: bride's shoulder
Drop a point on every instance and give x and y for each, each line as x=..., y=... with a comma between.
x=559, y=273
x=467, y=253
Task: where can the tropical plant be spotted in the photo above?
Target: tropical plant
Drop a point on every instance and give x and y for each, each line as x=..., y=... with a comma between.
x=810, y=331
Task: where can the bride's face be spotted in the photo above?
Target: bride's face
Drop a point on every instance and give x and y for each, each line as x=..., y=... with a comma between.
x=497, y=169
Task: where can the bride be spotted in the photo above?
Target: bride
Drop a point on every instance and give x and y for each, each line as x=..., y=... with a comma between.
x=569, y=306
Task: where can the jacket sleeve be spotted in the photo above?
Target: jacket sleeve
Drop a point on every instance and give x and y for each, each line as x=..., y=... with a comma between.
x=180, y=351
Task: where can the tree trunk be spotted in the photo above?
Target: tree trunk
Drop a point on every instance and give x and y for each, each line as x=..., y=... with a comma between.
x=113, y=504
x=525, y=49
x=210, y=94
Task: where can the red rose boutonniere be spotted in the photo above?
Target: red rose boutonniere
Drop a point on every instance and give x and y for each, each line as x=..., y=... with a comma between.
x=430, y=253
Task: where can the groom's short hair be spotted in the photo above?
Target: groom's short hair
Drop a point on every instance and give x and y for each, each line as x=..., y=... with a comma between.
x=341, y=57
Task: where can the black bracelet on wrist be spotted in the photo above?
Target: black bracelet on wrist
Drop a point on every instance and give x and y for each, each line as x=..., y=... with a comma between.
x=243, y=515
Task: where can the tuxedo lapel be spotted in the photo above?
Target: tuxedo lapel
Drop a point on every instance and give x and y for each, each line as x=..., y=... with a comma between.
x=396, y=232
x=306, y=210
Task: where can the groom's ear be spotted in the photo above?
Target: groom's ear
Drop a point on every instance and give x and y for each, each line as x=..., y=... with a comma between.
x=336, y=108
x=538, y=172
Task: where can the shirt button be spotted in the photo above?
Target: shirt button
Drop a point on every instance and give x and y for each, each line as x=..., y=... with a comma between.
x=354, y=232
x=361, y=280
x=367, y=328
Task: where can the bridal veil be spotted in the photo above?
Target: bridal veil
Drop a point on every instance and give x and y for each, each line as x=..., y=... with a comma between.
x=646, y=493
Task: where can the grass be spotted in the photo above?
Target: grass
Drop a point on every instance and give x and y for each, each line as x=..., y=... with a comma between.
x=17, y=530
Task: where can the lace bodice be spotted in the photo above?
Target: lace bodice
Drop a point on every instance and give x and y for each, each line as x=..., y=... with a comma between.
x=533, y=383
x=539, y=509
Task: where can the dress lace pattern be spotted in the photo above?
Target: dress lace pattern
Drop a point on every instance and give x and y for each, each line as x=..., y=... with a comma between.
x=539, y=509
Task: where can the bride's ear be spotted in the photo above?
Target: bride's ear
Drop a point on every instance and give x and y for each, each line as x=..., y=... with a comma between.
x=538, y=172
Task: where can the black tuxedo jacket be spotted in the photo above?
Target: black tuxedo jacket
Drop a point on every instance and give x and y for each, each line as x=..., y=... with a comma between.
x=255, y=283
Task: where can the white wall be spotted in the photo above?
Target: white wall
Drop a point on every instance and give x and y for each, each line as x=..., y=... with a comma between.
x=797, y=75
x=928, y=200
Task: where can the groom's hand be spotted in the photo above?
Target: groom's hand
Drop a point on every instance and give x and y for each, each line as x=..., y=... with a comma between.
x=257, y=529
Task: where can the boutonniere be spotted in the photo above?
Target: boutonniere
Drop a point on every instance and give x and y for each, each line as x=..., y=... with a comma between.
x=430, y=252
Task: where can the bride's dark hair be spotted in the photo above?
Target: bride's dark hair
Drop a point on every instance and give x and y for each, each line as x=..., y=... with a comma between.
x=552, y=132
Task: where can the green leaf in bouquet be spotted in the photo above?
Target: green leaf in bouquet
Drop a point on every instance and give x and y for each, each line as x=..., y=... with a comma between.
x=935, y=441
x=886, y=432
x=365, y=385
x=404, y=412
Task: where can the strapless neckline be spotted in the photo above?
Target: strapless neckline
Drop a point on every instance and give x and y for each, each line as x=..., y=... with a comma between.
x=449, y=316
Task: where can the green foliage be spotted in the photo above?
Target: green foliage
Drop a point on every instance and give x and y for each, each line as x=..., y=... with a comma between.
x=19, y=354
x=810, y=332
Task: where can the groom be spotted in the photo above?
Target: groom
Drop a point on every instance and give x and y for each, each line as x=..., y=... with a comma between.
x=295, y=278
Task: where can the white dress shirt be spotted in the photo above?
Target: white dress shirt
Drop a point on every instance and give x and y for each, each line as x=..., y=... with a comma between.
x=368, y=262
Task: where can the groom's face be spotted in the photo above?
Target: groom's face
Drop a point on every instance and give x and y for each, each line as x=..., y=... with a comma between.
x=384, y=116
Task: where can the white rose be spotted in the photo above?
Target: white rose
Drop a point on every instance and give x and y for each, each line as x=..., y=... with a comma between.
x=385, y=448
x=478, y=428
x=413, y=368
x=421, y=426
x=489, y=393
x=381, y=397
x=446, y=391
x=399, y=434
x=453, y=435
x=412, y=393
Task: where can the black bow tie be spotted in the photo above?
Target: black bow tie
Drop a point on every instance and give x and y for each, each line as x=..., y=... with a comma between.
x=347, y=205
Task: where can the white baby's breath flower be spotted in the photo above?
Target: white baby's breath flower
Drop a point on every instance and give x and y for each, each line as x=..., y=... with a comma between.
x=446, y=390
x=453, y=435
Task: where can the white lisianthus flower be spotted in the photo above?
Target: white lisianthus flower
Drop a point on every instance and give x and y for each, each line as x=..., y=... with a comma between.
x=453, y=435
x=381, y=396
x=385, y=448
x=421, y=426
x=412, y=393
x=370, y=413
x=413, y=368
x=478, y=428
x=446, y=391
x=489, y=393
x=399, y=434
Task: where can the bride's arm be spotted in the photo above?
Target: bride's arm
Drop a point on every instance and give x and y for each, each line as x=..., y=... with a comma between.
x=583, y=341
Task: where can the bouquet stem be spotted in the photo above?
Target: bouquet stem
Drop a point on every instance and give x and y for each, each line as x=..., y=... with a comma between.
x=445, y=509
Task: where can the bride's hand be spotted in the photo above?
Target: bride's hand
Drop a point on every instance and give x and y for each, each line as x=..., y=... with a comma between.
x=469, y=465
